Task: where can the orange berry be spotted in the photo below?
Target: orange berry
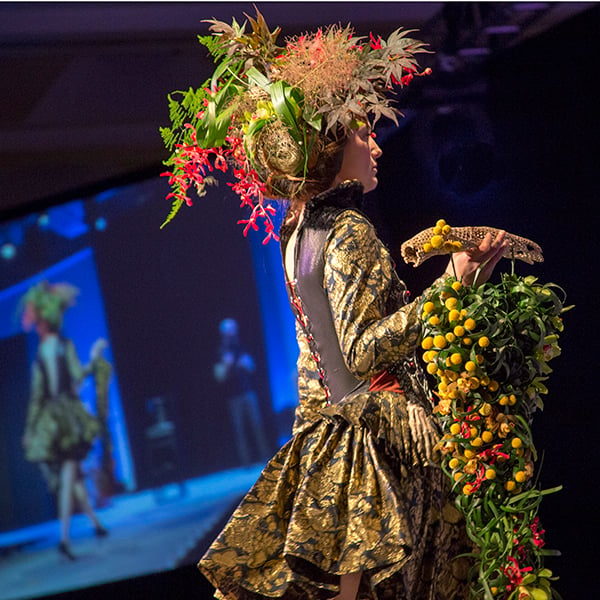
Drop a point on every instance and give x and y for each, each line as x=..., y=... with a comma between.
x=520, y=477
x=436, y=241
x=485, y=409
x=487, y=436
x=451, y=303
x=453, y=315
x=428, y=307
x=470, y=324
x=427, y=343
x=456, y=358
x=439, y=341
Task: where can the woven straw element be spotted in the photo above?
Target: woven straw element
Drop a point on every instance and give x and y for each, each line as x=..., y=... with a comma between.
x=277, y=151
x=470, y=237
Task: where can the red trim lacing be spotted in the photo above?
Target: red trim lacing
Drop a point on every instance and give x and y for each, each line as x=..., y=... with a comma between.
x=303, y=321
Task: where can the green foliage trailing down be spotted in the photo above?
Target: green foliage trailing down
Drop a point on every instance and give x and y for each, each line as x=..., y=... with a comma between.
x=487, y=349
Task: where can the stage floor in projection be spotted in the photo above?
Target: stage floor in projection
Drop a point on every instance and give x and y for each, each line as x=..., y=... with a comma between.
x=150, y=531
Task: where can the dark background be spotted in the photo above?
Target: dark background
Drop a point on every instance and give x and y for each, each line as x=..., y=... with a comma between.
x=509, y=142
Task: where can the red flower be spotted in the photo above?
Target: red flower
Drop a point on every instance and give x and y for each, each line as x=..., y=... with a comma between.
x=537, y=533
x=514, y=572
x=492, y=454
x=375, y=43
x=220, y=163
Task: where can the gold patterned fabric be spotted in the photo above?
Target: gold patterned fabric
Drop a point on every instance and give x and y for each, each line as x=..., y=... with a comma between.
x=354, y=489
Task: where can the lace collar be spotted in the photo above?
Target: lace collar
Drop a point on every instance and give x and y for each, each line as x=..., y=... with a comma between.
x=348, y=194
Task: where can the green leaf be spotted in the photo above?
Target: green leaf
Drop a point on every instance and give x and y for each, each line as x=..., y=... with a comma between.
x=255, y=77
x=285, y=103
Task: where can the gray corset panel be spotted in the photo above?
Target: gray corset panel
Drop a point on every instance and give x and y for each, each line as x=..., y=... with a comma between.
x=314, y=315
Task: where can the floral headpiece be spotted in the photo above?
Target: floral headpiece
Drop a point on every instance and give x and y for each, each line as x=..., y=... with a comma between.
x=268, y=110
x=50, y=301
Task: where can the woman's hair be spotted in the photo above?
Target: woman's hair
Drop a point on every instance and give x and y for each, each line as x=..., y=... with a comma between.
x=325, y=163
x=277, y=158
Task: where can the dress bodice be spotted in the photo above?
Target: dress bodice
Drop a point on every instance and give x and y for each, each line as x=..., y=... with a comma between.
x=310, y=297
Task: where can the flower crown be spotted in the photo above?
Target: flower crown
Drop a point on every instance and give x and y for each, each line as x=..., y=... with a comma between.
x=50, y=301
x=267, y=109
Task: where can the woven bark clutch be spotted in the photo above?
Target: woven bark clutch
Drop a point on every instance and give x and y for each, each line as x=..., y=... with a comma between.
x=470, y=237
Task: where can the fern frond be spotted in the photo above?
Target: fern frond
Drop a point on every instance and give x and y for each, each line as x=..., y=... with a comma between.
x=214, y=45
x=168, y=137
x=175, y=206
x=176, y=113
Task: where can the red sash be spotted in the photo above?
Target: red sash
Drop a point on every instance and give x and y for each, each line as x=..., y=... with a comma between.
x=384, y=381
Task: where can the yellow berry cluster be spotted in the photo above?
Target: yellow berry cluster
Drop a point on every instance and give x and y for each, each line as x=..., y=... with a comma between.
x=439, y=239
x=487, y=349
x=481, y=436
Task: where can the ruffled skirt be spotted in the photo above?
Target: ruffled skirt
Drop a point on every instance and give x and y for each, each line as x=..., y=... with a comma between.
x=64, y=429
x=352, y=491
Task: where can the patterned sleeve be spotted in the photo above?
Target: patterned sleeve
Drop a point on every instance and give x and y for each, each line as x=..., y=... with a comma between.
x=358, y=277
x=35, y=397
x=76, y=370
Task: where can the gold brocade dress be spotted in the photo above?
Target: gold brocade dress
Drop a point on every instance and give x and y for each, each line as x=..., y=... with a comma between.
x=59, y=427
x=356, y=488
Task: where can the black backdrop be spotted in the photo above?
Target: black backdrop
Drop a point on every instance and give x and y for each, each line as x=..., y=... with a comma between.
x=531, y=169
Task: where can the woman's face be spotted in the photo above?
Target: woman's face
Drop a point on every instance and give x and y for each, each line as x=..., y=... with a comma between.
x=360, y=158
x=29, y=317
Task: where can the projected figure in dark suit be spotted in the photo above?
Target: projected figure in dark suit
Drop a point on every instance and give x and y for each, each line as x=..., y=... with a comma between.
x=59, y=431
x=234, y=372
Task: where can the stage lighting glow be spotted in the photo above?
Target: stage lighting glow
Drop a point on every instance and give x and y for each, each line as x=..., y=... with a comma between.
x=8, y=251
x=100, y=224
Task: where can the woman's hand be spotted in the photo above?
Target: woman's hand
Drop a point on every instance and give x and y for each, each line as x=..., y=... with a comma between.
x=486, y=256
x=98, y=348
